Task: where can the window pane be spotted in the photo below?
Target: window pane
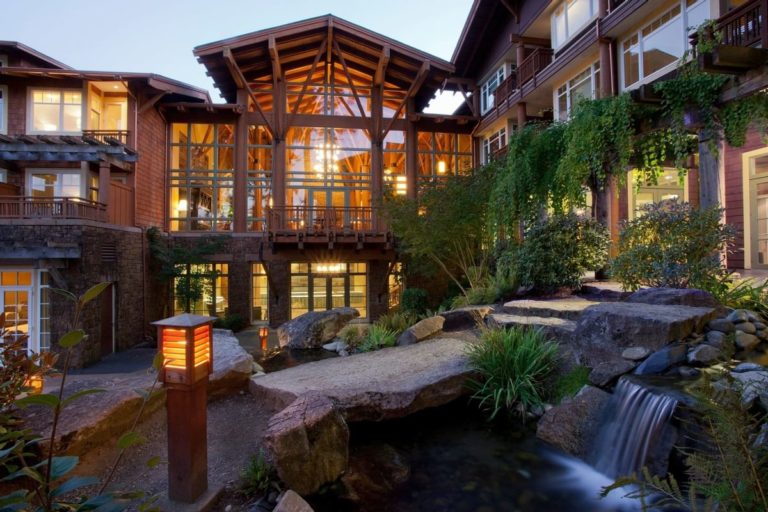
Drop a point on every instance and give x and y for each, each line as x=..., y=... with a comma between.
x=72, y=118
x=45, y=118
x=631, y=61
x=662, y=46
x=578, y=15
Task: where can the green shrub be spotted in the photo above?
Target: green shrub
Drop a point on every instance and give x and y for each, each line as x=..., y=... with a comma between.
x=258, y=476
x=397, y=321
x=414, y=301
x=378, y=337
x=674, y=245
x=569, y=383
x=513, y=365
x=352, y=335
x=556, y=253
x=231, y=321
x=743, y=294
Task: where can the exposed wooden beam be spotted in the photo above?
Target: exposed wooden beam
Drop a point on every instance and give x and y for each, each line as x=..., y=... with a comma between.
x=320, y=51
x=277, y=71
x=511, y=9
x=412, y=90
x=381, y=68
x=468, y=100
x=242, y=83
x=351, y=83
x=151, y=102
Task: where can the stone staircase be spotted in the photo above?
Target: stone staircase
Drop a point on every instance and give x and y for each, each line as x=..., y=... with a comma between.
x=557, y=317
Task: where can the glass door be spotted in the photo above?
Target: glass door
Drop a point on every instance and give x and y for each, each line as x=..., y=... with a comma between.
x=320, y=291
x=758, y=192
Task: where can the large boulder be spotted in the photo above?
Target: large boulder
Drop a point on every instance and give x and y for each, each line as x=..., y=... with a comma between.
x=465, y=318
x=421, y=330
x=674, y=297
x=291, y=502
x=664, y=359
x=232, y=365
x=615, y=326
x=313, y=329
x=308, y=443
x=572, y=425
x=754, y=386
x=374, y=386
x=375, y=470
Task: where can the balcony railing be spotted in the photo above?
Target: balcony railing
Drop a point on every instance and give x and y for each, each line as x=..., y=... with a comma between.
x=506, y=88
x=21, y=207
x=535, y=62
x=324, y=221
x=111, y=137
x=744, y=26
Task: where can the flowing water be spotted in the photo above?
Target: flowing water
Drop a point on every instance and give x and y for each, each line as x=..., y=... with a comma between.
x=637, y=417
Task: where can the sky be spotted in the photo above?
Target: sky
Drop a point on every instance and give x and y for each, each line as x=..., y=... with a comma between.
x=157, y=36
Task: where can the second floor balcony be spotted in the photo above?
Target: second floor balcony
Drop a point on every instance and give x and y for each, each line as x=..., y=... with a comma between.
x=327, y=225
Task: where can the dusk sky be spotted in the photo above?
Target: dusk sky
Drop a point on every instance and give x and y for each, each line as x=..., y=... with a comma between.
x=158, y=35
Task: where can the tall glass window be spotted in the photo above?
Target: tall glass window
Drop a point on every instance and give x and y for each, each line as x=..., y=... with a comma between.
x=56, y=110
x=322, y=286
x=259, y=176
x=395, y=180
x=259, y=293
x=583, y=86
x=488, y=90
x=569, y=18
x=202, y=289
x=493, y=144
x=201, y=177
x=443, y=154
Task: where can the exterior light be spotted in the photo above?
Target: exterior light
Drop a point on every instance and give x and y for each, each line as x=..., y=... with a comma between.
x=186, y=344
x=441, y=167
x=181, y=206
x=401, y=186
x=34, y=384
x=263, y=337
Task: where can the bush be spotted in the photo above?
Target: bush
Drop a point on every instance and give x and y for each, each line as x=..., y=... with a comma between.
x=673, y=245
x=258, y=476
x=569, y=383
x=352, y=335
x=513, y=365
x=414, y=301
x=378, y=337
x=397, y=321
x=231, y=321
x=743, y=294
x=556, y=253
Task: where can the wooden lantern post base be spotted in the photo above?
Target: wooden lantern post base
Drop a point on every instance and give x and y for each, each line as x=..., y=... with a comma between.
x=186, y=408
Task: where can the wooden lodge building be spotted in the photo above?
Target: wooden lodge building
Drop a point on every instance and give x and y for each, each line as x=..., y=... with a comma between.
x=320, y=119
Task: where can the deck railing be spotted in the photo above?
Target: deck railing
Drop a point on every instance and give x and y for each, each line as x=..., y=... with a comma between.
x=533, y=63
x=108, y=136
x=25, y=207
x=505, y=88
x=745, y=25
x=322, y=221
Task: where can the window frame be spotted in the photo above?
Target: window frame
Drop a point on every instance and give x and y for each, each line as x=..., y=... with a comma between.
x=83, y=174
x=594, y=70
x=3, y=109
x=500, y=136
x=488, y=95
x=61, y=90
x=642, y=80
x=570, y=33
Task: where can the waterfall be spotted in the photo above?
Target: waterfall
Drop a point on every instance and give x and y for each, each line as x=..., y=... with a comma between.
x=636, y=418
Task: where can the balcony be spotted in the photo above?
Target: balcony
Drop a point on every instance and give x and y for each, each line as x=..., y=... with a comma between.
x=744, y=40
x=533, y=63
x=111, y=137
x=67, y=208
x=301, y=224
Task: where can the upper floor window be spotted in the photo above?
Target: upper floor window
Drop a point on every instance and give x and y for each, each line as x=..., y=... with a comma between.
x=3, y=61
x=493, y=143
x=583, y=85
x=443, y=154
x=55, y=110
x=488, y=89
x=657, y=46
x=569, y=18
x=3, y=109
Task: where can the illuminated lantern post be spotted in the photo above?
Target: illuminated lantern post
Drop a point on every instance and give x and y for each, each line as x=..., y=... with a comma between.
x=187, y=347
x=263, y=337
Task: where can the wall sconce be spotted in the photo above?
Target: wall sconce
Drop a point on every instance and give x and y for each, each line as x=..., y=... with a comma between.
x=264, y=337
x=186, y=343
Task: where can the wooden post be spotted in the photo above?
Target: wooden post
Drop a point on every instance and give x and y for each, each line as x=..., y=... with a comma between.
x=606, y=69
x=709, y=173
x=104, y=182
x=278, y=157
x=187, y=413
x=377, y=155
x=522, y=115
x=240, y=192
x=411, y=148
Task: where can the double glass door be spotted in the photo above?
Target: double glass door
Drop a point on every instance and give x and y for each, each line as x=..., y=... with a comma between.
x=328, y=292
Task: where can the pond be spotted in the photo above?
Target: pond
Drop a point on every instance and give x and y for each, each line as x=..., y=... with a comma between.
x=460, y=462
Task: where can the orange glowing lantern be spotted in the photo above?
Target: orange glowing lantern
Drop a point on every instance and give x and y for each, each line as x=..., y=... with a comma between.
x=263, y=337
x=187, y=347
x=34, y=383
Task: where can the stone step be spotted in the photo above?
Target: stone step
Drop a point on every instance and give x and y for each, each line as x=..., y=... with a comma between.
x=553, y=326
x=568, y=308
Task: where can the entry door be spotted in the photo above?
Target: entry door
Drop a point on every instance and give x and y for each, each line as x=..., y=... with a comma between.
x=325, y=199
x=328, y=292
x=759, y=193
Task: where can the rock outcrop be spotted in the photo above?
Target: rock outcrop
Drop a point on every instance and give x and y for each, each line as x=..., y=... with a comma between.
x=313, y=329
x=465, y=318
x=421, y=330
x=572, y=425
x=308, y=443
x=289, y=501
x=232, y=365
x=674, y=297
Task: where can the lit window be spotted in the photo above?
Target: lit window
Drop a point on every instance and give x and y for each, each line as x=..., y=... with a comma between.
x=488, y=89
x=443, y=154
x=202, y=289
x=260, y=293
x=569, y=18
x=52, y=184
x=56, y=110
x=657, y=46
x=582, y=86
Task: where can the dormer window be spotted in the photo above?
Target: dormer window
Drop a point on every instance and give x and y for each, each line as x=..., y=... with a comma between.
x=569, y=18
x=488, y=89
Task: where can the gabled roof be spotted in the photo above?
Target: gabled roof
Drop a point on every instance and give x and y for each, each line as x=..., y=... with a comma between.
x=486, y=18
x=181, y=90
x=43, y=59
x=295, y=46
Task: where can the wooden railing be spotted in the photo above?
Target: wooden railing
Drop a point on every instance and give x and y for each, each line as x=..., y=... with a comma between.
x=505, y=88
x=745, y=25
x=108, y=136
x=535, y=62
x=322, y=221
x=21, y=207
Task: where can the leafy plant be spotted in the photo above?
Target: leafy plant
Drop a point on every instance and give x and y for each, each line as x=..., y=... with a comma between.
x=43, y=482
x=231, y=321
x=673, y=245
x=414, y=301
x=352, y=335
x=557, y=252
x=397, y=321
x=258, y=476
x=743, y=294
x=513, y=365
x=568, y=384
x=377, y=337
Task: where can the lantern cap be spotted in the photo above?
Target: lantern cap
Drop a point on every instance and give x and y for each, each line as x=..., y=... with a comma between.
x=184, y=320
